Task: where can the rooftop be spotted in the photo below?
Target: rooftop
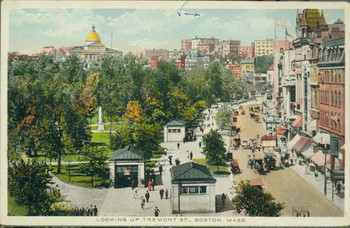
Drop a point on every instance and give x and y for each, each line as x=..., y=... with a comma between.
x=176, y=123
x=127, y=153
x=191, y=171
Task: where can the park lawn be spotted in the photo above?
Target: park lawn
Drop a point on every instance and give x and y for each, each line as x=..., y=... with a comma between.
x=78, y=178
x=212, y=168
x=14, y=209
x=100, y=137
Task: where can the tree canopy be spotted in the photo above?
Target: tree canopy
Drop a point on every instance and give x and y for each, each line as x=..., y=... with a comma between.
x=214, y=148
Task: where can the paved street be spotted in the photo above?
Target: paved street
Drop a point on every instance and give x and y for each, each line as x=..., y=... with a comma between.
x=286, y=185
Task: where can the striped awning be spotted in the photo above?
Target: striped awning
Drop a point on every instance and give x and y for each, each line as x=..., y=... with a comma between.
x=293, y=142
x=302, y=144
x=309, y=152
x=318, y=159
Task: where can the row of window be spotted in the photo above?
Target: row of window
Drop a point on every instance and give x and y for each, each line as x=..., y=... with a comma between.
x=194, y=190
x=333, y=54
x=331, y=121
x=331, y=76
x=174, y=130
x=335, y=99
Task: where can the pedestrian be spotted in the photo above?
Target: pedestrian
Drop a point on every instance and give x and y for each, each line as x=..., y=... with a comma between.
x=152, y=186
x=147, y=195
x=149, y=185
x=143, y=202
x=161, y=192
x=170, y=160
x=305, y=170
x=156, y=212
x=223, y=198
x=135, y=194
x=338, y=187
x=160, y=169
x=91, y=211
x=132, y=184
x=95, y=210
x=316, y=175
x=178, y=145
x=191, y=155
x=200, y=144
x=166, y=193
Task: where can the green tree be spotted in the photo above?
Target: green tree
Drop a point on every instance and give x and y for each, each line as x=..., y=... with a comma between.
x=122, y=136
x=28, y=184
x=147, y=137
x=255, y=202
x=96, y=162
x=214, y=148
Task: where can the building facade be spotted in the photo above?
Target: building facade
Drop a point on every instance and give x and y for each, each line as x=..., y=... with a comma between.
x=264, y=47
x=247, y=66
x=245, y=52
x=236, y=69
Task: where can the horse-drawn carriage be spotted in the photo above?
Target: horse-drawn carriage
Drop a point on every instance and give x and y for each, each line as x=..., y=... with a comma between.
x=235, y=167
x=257, y=118
x=258, y=165
x=236, y=142
x=236, y=113
x=243, y=112
x=270, y=161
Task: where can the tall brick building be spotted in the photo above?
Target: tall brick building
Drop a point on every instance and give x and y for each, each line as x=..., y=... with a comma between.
x=331, y=67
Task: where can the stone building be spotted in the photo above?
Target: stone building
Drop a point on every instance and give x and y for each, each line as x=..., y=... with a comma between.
x=193, y=189
x=174, y=131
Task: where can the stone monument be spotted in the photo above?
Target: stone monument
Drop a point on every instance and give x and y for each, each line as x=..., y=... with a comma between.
x=100, y=125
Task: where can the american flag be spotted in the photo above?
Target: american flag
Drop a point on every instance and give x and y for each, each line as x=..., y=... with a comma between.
x=281, y=23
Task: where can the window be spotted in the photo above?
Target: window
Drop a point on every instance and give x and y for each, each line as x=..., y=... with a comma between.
x=332, y=97
x=174, y=130
x=339, y=76
x=193, y=189
x=339, y=124
x=332, y=120
x=336, y=98
x=203, y=189
x=331, y=75
x=335, y=76
x=339, y=100
x=184, y=190
x=169, y=130
x=178, y=130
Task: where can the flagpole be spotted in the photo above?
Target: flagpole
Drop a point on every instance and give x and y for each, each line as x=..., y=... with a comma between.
x=275, y=31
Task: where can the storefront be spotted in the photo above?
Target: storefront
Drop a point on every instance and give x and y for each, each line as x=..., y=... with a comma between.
x=126, y=167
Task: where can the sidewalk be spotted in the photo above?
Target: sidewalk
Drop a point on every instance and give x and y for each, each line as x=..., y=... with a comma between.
x=318, y=183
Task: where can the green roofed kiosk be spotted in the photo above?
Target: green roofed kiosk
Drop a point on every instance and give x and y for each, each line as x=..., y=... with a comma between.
x=197, y=188
x=126, y=165
x=174, y=131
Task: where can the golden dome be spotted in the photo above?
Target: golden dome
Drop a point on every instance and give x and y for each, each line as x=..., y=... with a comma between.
x=93, y=36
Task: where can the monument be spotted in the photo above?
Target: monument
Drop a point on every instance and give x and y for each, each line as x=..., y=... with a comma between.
x=100, y=125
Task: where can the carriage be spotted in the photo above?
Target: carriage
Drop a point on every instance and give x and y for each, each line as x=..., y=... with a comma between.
x=235, y=167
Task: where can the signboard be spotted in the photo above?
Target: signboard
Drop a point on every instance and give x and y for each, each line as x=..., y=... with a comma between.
x=127, y=172
x=269, y=143
x=334, y=147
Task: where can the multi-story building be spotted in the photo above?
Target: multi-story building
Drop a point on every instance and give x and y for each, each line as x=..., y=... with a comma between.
x=263, y=47
x=230, y=48
x=247, y=66
x=161, y=53
x=207, y=48
x=245, y=52
x=186, y=44
x=331, y=67
x=236, y=69
x=282, y=45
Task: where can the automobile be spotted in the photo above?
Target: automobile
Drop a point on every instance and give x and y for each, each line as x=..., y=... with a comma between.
x=244, y=142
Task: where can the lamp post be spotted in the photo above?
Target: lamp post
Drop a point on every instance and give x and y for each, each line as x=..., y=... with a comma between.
x=324, y=141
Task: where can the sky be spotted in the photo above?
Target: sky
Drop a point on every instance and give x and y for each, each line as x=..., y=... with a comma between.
x=134, y=30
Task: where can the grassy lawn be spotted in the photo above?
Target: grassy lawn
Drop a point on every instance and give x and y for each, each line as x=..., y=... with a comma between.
x=212, y=168
x=78, y=178
x=100, y=137
x=14, y=209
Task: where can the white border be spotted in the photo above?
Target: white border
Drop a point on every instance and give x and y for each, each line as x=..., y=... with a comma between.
x=139, y=221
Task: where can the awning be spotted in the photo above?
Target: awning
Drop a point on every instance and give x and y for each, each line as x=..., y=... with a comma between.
x=280, y=131
x=293, y=142
x=302, y=144
x=299, y=102
x=343, y=147
x=298, y=122
x=318, y=159
x=322, y=138
x=256, y=182
x=309, y=152
x=313, y=125
x=267, y=154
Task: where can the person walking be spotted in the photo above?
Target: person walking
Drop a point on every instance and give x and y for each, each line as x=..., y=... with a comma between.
x=156, y=212
x=161, y=193
x=178, y=145
x=132, y=184
x=143, y=202
x=200, y=144
x=95, y=210
x=316, y=175
x=160, y=169
x=149, y=185
x=223, y=198
x=152, y=184
x=91, y=211
x=166, y=193
x=147, y=195
x=191, y=155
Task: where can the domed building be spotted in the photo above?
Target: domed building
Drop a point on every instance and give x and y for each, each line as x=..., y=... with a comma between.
x=94, y=49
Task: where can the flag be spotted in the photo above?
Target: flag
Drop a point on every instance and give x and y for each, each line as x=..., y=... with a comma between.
x=281, y=23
